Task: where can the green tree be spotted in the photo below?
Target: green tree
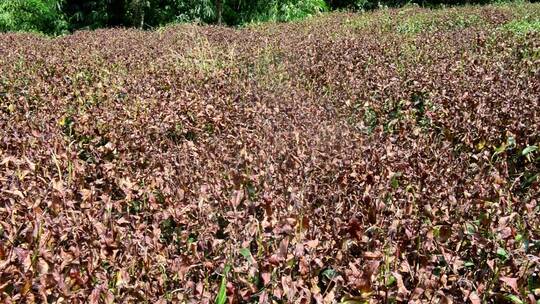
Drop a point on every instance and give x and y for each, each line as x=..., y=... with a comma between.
x=136, y=11
x=33, y=16
x=240, y=11
x=93, y=14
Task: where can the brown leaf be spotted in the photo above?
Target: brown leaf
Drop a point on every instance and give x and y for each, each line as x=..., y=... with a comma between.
x=95, y=295
x=15, y=192
x=122, y=278
x=312, y=244
x=108, y=298
x=474, y=298
x=266, y=277
x=283, y=248
x=355, y=228
x=372, y=255
x=401, y=286
x=86, y=194
x=512, y=282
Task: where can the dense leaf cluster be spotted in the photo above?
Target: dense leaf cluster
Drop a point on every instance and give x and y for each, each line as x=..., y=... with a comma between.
x=382, y=157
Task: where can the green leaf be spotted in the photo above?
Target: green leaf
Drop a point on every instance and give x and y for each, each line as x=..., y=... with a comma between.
x=514, y=299
x=468, y=264
x=436, y=231
x=502, y=253
x=470, y=229
x=532, y=178
x=246, y=254
x=391, y=281
x=529, y=150
x=329, y=273
x=499, y=150
x=394, y=181
x=511, y=142
x=533, y=283
x=222, y=293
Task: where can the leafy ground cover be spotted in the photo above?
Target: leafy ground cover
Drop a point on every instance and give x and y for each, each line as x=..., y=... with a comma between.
x=356, y=158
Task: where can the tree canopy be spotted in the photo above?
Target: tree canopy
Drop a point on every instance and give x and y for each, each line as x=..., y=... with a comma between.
x=58, y=16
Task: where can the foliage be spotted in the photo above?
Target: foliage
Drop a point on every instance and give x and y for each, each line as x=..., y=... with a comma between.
x=32, y=16
x=201, y=11
x=221, y=297
x=278, y=10
x=55, y=16
x=338, y=159
x=193, y=10
x=152, y=13
x=523, y=26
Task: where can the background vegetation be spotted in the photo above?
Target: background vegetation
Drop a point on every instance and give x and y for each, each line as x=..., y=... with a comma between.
x=32, y=15
x=60, y=16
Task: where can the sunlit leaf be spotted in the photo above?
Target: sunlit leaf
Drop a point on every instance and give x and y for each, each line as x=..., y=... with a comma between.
x=514, y=299
x=529, y=150
x=503, y=254
x=221, y=297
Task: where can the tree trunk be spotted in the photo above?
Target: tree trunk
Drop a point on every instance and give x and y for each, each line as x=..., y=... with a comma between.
x=219, y=9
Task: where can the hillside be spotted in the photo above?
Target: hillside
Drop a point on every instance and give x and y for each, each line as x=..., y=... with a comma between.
x=383, y=157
